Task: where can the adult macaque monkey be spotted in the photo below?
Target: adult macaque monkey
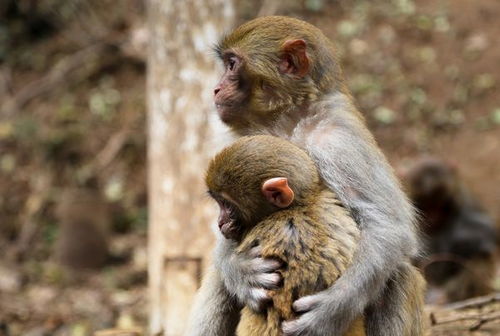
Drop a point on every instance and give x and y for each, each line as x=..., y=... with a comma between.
x=270, y=194
x=282, y=78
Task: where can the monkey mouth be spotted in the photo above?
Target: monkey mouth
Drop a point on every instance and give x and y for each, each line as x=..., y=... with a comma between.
x=228, y=229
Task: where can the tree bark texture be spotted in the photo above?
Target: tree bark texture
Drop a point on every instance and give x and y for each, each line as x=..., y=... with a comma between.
x=184, y=133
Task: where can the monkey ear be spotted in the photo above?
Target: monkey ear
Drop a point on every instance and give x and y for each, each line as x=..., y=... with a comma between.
x=278, y=192
x=294, y=60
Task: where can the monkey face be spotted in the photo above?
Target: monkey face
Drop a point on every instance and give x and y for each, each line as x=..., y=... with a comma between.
x=230, y=219
x=267, y=73
x=254, y=177
x=232, y=91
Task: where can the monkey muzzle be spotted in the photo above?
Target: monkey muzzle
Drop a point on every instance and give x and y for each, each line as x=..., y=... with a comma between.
x=226, y=229
x=226, y=222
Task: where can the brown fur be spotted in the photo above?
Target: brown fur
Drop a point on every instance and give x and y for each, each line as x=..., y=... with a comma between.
x=300, y=94
x=265, y=93
x=405, y=294
x=315, y=237
x=316, y=241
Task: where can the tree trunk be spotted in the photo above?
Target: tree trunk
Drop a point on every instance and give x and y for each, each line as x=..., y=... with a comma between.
x=184, y=132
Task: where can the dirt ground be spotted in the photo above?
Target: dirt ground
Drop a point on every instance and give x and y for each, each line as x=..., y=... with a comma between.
x=425, y=74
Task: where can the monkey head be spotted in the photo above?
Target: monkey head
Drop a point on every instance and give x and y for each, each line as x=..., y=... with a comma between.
x=432, y=182
x=273, y=65
x=257, y=176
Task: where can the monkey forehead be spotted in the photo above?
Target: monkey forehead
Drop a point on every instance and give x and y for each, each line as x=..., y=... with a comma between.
x=251, y=160
x=268, y=34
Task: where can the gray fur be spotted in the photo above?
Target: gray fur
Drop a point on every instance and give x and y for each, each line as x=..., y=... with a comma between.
x=216, y=311
x=224, y=313
x=365, y=183
x=363, y=180
x=394, y=314
x=344, y=151
x=246, y=275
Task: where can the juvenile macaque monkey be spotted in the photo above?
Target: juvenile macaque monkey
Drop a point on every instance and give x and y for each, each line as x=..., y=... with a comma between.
x=461, y=236
x=270, y=195
x=282, y=78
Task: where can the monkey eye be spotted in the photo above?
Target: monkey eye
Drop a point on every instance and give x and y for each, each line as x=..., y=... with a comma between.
x=231, y=62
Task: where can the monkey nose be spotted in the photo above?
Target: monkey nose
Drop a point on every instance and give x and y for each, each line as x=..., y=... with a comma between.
x=217, y=89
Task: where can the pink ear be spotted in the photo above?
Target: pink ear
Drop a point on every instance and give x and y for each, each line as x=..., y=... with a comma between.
x=294, y=60
x=277, y=192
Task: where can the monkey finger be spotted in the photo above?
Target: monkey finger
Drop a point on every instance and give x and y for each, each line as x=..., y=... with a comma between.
x=259, y=298
x=292, y=328
x=305, y=304
x=270, y=280
x=262, y=265
x=255, y=252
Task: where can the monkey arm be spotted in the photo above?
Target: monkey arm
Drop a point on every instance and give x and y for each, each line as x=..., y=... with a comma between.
x=365, y=184
x=215, y=311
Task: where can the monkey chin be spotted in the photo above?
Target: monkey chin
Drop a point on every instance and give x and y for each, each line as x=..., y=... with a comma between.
x=226, y=112
x=229, y=230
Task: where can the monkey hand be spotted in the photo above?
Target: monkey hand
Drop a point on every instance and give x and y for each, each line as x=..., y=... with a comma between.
x=321, y=314
x=248, y=276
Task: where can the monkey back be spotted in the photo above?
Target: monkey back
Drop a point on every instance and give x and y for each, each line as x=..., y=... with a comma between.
x=316, y=243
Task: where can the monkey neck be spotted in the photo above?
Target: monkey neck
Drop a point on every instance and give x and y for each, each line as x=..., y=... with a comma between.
x=326, y=194
x=335, y=108
x=319, y=200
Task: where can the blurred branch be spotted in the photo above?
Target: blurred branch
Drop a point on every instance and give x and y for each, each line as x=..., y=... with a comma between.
x=59, y=74
x=55, y=77
x=466, y=316
x=481, y=319
x=111, y=149
x=34, y=203
x=5, y=82
x=474, y=302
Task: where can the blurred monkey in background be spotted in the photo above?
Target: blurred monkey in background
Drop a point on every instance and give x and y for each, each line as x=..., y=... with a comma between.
x=84, y=220
x=461, y=237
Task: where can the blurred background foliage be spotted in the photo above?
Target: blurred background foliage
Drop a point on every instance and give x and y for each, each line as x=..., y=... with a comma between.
x=72, y=121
